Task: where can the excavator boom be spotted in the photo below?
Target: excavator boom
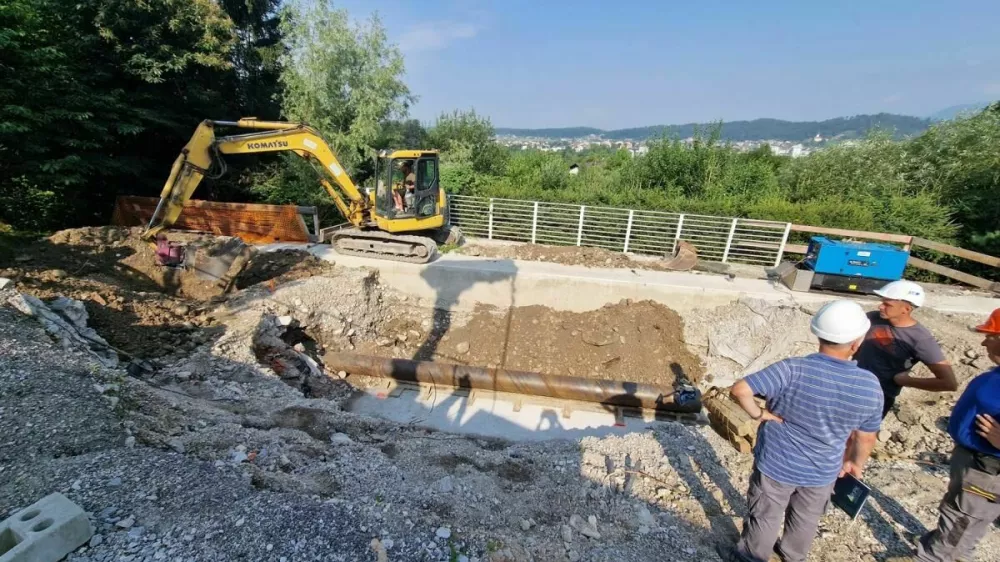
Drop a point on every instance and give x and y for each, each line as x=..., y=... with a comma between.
x=198, y=155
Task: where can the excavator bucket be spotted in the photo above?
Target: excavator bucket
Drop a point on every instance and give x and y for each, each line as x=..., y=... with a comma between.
x=200, y=266
x=684, y=259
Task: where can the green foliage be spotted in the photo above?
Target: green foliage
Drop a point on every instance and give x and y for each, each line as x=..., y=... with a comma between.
x=157, y=39
x=342, y=79
x=460, y=128
x=96, y=98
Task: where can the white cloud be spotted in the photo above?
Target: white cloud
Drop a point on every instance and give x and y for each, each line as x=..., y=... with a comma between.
x=434, y=36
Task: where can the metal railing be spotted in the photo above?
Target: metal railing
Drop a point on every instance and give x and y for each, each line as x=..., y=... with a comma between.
x=724, y=239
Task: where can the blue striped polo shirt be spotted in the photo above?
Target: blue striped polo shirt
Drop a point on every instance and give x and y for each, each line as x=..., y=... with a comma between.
x=822, y=400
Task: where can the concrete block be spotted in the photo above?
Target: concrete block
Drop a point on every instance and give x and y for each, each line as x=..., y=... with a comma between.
x=45, y=531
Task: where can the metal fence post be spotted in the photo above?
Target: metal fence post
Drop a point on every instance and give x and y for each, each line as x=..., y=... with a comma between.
x=579, y=230
x=628, y=230
x=729, y=241
x=784, y=240
x=534, y=223
x=677, y=235
x=490, y=227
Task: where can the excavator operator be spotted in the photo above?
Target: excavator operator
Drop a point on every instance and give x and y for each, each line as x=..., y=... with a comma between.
x=403, y=196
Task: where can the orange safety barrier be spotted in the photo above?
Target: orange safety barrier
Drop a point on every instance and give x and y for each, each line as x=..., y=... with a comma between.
x=253, y=223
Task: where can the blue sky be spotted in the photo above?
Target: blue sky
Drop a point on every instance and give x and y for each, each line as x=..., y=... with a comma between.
x=625, y=63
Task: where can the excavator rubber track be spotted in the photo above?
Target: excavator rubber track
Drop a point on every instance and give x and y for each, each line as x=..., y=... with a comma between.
x=383, y=245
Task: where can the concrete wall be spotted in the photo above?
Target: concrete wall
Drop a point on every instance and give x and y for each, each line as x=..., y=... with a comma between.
x=457, y=282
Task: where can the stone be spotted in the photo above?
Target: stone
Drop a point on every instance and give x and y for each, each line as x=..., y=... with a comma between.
x=645, y=517
x=445, y=485
x=115, y=482
x=341, y=439
x=237, y=457
x=384, y=342
x=585, y=528
x=59, y=274
x=136, y=532
x=95, y=541
x=908, y=416
x=285, y=320
x=4, y=282
x=426, y=323
x=126, y=523
x=462, y=347
x=566, y=532
x=884, y=435
x=182, y=310
x=176, y=445
x=48, y=530
x=342, y=374
x=443, y=533
x=971, y=353
x=525, y=525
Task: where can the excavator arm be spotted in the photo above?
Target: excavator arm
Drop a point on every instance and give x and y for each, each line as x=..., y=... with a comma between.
x=198, y=155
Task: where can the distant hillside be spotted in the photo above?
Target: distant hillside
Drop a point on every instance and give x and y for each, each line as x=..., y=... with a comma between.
x=956, y=110
x=559, y=133
x=758, y=129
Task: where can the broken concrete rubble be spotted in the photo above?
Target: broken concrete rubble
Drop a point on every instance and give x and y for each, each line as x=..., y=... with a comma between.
x=66, y=320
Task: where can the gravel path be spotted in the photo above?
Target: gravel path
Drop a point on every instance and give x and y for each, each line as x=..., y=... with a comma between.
x=215, y=457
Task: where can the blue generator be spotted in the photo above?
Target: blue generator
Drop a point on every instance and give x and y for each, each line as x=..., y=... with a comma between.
x=853, y=266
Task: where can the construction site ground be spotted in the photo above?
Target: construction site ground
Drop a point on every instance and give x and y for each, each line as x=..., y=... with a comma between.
x=221, y=435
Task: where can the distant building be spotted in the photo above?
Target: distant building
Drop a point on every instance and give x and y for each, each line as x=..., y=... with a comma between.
x=798, y=150
x=818, y=138
x=574, y=169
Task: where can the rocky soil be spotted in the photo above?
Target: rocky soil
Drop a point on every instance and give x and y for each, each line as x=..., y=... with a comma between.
x=229, y=442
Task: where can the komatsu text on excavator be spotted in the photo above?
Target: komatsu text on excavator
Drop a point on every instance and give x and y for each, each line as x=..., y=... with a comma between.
x=401, y=219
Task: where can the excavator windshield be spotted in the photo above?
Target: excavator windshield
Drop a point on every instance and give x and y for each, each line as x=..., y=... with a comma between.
x=408, y=186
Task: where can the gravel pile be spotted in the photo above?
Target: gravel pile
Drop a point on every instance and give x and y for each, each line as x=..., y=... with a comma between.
x=213, y=454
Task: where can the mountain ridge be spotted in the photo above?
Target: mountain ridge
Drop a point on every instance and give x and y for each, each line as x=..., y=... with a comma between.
x=756, y=129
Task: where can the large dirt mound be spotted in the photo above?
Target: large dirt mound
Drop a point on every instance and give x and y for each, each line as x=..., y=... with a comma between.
x=630, y=341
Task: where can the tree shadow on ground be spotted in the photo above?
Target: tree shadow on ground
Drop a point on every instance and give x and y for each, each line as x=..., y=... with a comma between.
x=450, y=281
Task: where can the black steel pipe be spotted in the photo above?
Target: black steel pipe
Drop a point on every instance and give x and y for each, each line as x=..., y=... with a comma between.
x=607, y=392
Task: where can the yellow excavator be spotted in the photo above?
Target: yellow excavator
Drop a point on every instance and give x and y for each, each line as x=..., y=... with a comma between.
x=401, y=219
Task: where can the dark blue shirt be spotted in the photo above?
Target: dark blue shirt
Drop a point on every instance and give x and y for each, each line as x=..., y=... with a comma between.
x=982, y=396
x=822, y=401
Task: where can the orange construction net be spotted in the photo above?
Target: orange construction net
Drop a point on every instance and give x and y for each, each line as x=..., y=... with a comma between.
x=252, y=223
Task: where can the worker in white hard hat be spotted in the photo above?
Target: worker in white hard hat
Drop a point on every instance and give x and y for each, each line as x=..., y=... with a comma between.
x=813, y=404
x=896, y=342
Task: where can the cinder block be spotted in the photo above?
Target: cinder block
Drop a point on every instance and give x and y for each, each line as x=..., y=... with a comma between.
x=45, y=531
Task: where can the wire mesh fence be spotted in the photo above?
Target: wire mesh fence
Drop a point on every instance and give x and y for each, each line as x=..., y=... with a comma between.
x=723, y=239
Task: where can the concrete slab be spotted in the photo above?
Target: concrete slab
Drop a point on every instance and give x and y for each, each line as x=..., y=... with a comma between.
x=459, y=282
x=489, y=414
x=45, y=531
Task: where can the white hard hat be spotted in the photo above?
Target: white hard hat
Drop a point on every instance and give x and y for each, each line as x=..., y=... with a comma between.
x=840, y=322
x=903, y=290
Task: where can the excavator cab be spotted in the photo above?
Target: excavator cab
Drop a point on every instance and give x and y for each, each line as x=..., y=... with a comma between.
x=407, y=185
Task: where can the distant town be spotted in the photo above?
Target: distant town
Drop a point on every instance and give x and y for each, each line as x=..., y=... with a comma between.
x=640, y=147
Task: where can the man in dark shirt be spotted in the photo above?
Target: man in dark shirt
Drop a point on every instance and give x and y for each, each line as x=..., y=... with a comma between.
x=971, y=503
x=896, y=342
